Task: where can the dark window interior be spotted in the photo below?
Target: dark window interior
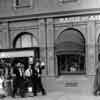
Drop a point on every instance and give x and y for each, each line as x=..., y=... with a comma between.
x=17, y=2
x=71, y=64
x=70, y=51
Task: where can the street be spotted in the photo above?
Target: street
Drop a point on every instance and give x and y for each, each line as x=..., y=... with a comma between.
x=57, y=96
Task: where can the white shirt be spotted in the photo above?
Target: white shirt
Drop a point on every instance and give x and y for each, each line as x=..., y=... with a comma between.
x=1, y=81
x=28, y=72
x=20, y=72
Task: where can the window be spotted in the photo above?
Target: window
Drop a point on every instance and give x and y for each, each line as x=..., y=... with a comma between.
x=71, y=63
x=67, y=1
x=70, y=52
x=22, y=3
x=17, y=2
x=25, y=40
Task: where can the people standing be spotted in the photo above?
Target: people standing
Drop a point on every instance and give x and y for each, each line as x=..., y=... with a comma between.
x=97, y=79
x=37, y=81
x=28, y=72
x=28, y=78
x=18, y=81
x=8, y=81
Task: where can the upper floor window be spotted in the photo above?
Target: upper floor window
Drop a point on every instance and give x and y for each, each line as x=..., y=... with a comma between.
x=22, y=3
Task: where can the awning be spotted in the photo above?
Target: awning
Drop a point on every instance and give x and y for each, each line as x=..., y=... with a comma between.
x=70, y=42
x=70, y=36
x=69, y=46
x=24, y=53
x=70, y=53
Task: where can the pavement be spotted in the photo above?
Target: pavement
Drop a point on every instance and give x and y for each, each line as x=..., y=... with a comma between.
x=56, y=96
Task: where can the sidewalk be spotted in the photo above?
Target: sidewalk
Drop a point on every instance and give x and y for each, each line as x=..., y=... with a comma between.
x=57, y=96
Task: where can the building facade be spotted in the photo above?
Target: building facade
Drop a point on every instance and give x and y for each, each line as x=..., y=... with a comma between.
x=67, y=33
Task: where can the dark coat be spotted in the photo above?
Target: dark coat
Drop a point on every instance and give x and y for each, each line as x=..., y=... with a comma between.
x=97, y=79
x=18, y=80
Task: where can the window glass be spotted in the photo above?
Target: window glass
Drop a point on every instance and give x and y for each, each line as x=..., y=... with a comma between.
x=26, y=40
x=18, y=43
x=23, y=3
x=71, y=63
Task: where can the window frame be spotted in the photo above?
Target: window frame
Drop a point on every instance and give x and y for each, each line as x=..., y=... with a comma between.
x=61, y=51
x=65, y=72
x=19, y=38
x=17, y=4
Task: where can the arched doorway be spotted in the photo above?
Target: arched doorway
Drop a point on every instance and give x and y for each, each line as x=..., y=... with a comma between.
x=70, y=52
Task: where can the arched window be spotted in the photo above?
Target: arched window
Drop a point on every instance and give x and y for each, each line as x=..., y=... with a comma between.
x=70, y=51
x=25, y=39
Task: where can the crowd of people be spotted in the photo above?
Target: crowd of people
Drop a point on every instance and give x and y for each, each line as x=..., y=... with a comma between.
x=25, y=80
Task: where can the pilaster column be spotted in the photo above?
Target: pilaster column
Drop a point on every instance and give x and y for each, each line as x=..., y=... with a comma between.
x=50, y=47
x=91, y=48
x=42, y=44
x=5, y=36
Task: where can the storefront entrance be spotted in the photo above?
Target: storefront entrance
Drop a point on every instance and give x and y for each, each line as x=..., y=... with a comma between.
x=70, y=52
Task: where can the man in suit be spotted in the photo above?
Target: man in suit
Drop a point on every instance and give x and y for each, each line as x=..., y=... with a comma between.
x=36, y=79
x=18, y=81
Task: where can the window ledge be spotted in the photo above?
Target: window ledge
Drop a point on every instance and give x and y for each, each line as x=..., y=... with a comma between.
x=26, y=6
x=72, y=73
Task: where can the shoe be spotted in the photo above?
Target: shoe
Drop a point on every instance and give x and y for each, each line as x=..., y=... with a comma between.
x=2, y=96
x=95, y=93
x=43, y=93
x=13, y=96
x=22, y=96
x=34, y=94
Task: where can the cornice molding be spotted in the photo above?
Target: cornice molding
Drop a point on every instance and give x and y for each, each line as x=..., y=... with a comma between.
x=23, y=28
x=50, y=14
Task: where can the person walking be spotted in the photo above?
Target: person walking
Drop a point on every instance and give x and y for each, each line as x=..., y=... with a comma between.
x=18, y=81
x=37, y=81
x=28, y=72
x=28, y=78
x=97, y=79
